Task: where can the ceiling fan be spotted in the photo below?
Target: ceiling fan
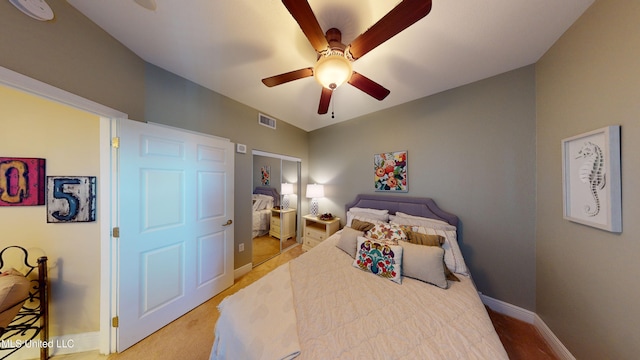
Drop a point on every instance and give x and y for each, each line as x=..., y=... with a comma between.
x=333, y=67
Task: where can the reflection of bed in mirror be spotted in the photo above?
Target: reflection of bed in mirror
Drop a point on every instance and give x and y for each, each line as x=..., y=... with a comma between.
x=264, y=199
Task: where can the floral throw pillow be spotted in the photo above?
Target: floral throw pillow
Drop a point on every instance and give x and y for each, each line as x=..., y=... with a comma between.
x=380, y=259
x=387, y=233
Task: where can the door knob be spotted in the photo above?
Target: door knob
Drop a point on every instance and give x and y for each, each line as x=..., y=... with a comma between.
x=229, y=222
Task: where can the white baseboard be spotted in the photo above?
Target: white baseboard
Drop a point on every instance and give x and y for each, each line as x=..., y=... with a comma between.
x=552, y=340
x=242, y=270
x=508, y=309
x=59, y=345
x=531, y=318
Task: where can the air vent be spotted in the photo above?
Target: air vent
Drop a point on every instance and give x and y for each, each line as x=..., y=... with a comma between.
x=266, y=121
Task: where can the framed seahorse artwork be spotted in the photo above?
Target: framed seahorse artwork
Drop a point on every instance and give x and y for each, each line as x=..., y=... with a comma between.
x=591, y=179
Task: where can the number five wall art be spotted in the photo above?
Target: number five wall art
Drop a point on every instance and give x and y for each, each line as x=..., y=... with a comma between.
x=71, y=199
x=22, y=181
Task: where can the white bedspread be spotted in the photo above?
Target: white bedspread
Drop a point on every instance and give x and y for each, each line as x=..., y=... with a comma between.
x=342, y=312
x=258, y=322
x=346, y=313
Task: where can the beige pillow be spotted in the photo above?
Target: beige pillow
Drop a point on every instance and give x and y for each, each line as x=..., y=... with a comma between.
x=349, y=240
x=430, y=240
x=14, y=290
x=424, y=263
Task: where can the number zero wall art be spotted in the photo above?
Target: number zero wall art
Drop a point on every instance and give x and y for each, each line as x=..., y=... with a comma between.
x=71, y=199
x=22, y=181
x=591, y=179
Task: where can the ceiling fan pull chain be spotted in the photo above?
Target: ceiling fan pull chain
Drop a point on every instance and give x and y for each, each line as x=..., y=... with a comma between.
x=332, y=106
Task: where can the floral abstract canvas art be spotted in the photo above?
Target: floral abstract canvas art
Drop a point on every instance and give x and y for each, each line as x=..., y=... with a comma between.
x=390, y=171
x=265, y=174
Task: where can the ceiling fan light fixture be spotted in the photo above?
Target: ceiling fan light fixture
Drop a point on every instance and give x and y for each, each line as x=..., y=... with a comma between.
x=332, y=71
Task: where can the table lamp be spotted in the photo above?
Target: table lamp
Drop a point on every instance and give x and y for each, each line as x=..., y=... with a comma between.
x=314, y=192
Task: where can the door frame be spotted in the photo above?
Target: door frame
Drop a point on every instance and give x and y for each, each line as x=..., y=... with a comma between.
x=10, y=78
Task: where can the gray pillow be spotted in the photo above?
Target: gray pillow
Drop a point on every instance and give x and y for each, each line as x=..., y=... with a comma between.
x=348, y=241
x=424, y=263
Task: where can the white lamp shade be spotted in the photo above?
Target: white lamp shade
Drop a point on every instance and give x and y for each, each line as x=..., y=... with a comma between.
x=315, y=191
x=286, y=189
x=332, y=71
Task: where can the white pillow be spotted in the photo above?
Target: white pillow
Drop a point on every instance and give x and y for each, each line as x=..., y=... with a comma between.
x=372, y=218
x=268, y=203
x=368, y=210
x=379, y=259
x=257, y=204
x=372, y=214
x=452, y=254
x=406, y=219
x=261, y=202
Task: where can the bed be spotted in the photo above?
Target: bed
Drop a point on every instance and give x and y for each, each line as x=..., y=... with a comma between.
x=264, y=199
x=417, y=302
x=23, y=302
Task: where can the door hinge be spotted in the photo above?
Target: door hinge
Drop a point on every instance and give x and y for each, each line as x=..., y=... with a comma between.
x=115, y=232
x=115, y=142
x=114, y=321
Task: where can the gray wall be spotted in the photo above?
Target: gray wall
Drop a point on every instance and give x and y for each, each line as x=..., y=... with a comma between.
x=587, y=279
x=275, y=171
x=73, y=54
x=472, y=149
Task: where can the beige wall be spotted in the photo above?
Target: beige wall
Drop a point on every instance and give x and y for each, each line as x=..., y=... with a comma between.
x=587, y=279
x=67, y=139
x=472, y=149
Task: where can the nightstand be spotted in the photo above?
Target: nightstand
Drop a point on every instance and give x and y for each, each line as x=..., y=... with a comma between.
x=283, y=223
x=315, y=230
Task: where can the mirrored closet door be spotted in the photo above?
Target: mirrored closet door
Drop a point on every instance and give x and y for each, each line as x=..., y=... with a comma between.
x=276, y=200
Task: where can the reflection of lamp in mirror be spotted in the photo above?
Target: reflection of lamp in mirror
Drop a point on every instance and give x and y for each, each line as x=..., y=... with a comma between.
x=314, y=192
x=286, y=190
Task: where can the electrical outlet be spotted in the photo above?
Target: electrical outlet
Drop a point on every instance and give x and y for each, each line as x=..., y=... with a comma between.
x=241, y=247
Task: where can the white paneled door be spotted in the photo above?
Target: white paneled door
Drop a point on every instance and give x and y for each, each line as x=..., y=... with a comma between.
x=175, y=211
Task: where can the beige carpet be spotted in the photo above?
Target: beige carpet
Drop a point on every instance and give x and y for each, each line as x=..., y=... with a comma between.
x=191, y=336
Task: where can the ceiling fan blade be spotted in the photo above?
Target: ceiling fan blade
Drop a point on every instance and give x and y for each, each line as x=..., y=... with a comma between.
x=325, y=99
x=286, y=77
x=302, y=13
x=368, y=86
x=399, y=18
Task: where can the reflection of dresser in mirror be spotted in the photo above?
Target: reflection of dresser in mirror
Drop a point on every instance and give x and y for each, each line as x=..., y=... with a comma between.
x=283, y=223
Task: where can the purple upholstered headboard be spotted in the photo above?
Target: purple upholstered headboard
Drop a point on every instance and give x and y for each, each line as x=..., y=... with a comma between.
x=269, y=191
x=416, y=206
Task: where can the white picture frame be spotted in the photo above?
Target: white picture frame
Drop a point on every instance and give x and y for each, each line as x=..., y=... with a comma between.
x=591, y=182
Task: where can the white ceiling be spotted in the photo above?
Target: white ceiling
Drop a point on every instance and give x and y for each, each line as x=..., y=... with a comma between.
x=228, y=46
